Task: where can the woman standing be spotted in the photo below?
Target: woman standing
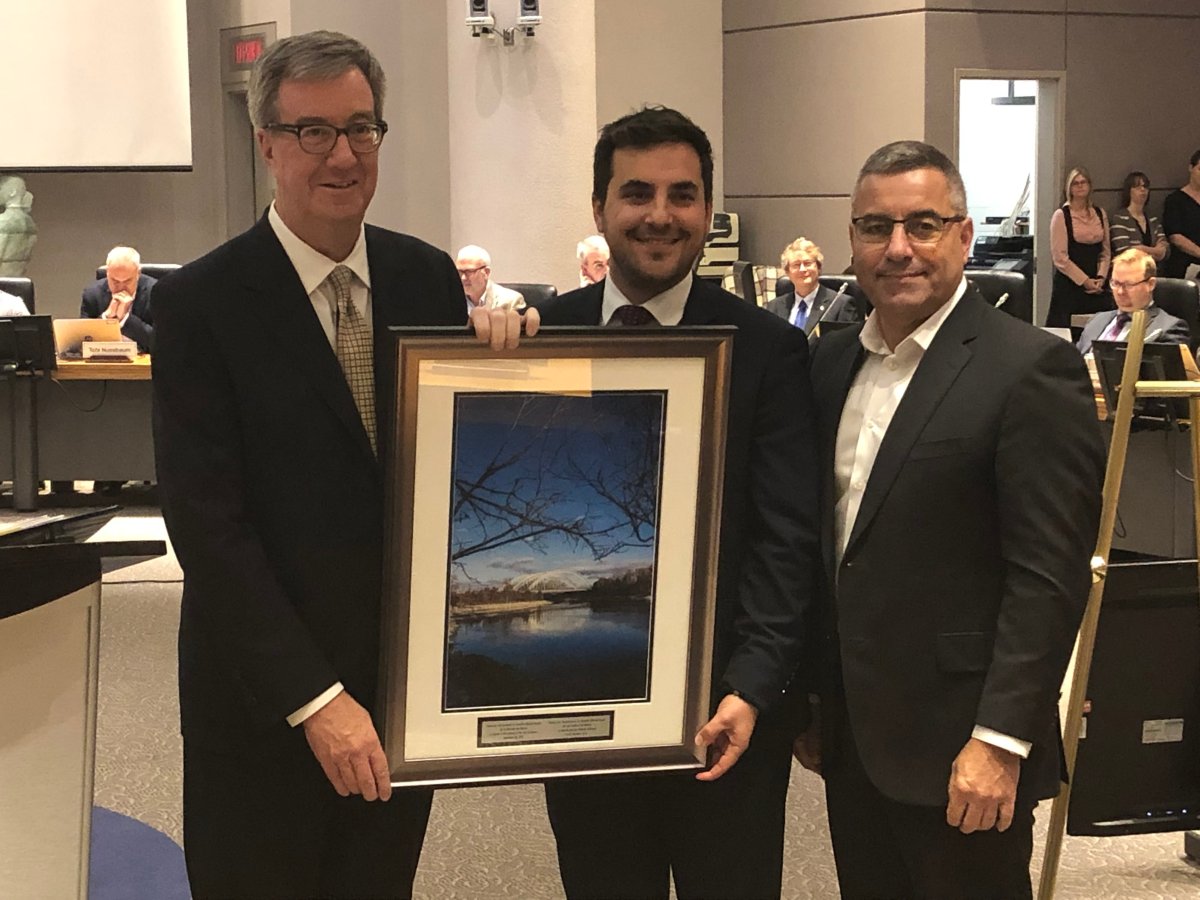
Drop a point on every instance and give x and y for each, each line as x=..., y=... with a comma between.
x=1079, y=247
x=1181, y=221
x=1131, y=227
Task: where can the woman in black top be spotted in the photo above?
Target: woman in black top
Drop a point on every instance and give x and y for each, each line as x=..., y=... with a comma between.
x=1131, y=227
x=1181, y=221
x=1079, y=247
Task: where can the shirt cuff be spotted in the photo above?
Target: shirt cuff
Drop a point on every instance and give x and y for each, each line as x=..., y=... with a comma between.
x=315, y=704
x=1003, y=741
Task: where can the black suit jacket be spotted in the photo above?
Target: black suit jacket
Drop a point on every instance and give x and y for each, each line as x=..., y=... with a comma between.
x=270, y=491
x=139, y=326
x=967, y=569
x=827, y=307
x=1161, y=328
x=768, y=544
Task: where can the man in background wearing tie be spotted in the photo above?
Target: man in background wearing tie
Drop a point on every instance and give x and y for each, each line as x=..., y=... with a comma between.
x=720, y=833
x=811, y=302
x=1133, y=281
x=268, y=436
x=123, y=296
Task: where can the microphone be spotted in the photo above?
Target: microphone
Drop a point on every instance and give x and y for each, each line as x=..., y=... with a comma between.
x=828, y=306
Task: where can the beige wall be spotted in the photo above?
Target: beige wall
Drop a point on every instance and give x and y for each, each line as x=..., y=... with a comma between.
x=786, y=179
x=666, y=52
x=801, y=114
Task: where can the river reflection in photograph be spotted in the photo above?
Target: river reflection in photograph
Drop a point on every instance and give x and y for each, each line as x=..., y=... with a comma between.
x=555, y=503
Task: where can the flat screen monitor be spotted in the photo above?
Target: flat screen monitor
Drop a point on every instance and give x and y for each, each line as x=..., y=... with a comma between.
x=69, y=334
x=26, y=344
x=1138, y=767
x=1160, y=362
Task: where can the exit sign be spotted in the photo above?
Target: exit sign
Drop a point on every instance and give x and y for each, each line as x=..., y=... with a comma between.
x=247, y=50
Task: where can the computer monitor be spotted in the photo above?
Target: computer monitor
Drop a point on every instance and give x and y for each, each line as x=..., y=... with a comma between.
x=1160, y=362
x=69, y=334
x=1138, y=767
x=26, y=345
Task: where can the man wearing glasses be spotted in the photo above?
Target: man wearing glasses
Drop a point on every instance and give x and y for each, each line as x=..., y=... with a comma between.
x=474, y=266
x=268, y=436
x=1133, y=280
x=963, y=466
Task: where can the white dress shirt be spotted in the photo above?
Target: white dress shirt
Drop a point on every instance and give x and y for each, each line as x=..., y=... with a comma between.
x=12, y=305
x=666, y=307
x=314, y=267
x=871, y=404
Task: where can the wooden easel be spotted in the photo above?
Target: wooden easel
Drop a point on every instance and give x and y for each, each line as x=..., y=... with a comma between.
x=1122, y=422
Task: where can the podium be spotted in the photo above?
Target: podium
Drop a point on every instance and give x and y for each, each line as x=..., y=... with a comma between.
x=49, y=661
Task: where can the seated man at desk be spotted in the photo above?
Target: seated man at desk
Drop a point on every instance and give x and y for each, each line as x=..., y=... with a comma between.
x=474, y=266
x=11, y=305
x=1133, y=279
x=123, y=295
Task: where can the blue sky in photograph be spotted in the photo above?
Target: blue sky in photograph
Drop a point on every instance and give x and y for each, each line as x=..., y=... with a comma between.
x=550, y=458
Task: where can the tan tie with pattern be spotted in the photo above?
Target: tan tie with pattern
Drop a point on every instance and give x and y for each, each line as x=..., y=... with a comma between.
x=355, y=349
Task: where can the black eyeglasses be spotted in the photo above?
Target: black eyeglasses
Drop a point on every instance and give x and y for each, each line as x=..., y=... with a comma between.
x=921, y=228
x=1126, y=285
x=363, y=137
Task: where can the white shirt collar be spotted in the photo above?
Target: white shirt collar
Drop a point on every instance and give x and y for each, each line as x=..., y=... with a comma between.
x=872, y=338
x=313, y=266
x=808, y=298
x=666, y=307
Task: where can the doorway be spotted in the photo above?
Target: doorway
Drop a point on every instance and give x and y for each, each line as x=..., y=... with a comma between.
x=1008, y=145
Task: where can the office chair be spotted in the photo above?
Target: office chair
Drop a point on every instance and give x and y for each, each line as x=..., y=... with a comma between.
x=995, y=283
x=1178, y=296
x=19, y=287
x=534, y=294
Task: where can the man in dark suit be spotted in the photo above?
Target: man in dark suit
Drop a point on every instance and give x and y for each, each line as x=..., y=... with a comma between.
x=267, y=439
x=720, y=833
x=1133, y=281
x=123, y=295
x=963, y=467
x=810, y=303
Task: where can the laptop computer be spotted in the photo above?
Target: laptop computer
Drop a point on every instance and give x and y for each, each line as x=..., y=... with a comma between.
x=69, y=335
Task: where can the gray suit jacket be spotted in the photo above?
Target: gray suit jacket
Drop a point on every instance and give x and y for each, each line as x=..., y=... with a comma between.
x=1162, y=328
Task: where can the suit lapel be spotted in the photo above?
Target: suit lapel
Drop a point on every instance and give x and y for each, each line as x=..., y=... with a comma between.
x=820, y=304
x=833, y=400
x=937, y=371
x=701, y=307
x=285, y=315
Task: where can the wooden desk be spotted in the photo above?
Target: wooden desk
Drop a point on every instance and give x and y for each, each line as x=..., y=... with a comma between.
x=86, y=370
x=86, y=421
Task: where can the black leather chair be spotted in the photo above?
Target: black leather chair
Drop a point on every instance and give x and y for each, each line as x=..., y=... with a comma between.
x=994, y=284
x=783, y=285
x=154, y=270
x=1178, y=296
x=19, y=287
x=534, y=294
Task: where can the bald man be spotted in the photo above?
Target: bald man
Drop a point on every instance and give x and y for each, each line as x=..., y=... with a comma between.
x=123, y=295
x=474, y=266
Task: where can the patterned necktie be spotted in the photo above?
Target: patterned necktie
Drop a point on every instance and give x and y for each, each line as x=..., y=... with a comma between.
x=355, y=349
x=1119, y=323
x=632, y=316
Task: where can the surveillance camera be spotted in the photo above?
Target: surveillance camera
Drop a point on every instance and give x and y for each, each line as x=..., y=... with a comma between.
x=479, y=16
x=530, y=13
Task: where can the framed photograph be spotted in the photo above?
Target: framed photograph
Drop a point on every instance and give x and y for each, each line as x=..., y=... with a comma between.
x=552, y=521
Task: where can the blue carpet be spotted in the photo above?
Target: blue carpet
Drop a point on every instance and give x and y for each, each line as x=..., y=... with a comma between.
x=132, y=861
